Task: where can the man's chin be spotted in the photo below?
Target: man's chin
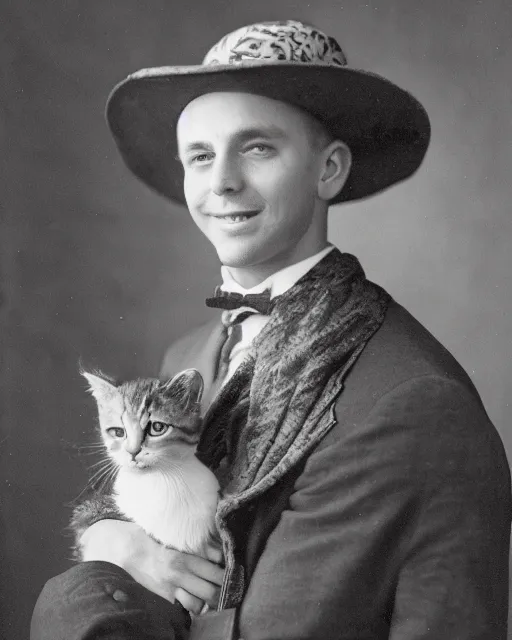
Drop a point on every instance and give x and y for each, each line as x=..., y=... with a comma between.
x=236, y=259
x=234, y=263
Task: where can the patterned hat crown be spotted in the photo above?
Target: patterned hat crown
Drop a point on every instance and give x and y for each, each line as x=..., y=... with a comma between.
x=287, y=41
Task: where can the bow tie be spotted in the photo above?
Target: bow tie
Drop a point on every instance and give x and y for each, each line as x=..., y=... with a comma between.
x=228, y=301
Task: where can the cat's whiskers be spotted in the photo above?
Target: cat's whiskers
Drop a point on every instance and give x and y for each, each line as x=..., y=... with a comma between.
x=100, y=473
x=110, y=476
x=173, y=476
x=90, y=449
x=105, y=481
x=104, y=462
x=165, y=465
x=90, y=453
x=100, y=462
x=90, y=445
x=106, y=469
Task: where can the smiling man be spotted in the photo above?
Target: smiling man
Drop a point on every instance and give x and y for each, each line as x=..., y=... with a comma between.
x=258, y=185
x=365, y=493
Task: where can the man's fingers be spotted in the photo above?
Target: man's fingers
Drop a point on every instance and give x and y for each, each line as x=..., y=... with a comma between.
x=206, y=569
x=201, y=589
x=179, y=564
x=190, y=602
x=214, y=554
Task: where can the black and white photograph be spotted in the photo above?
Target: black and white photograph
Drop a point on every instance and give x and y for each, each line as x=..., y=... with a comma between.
x=256, y=320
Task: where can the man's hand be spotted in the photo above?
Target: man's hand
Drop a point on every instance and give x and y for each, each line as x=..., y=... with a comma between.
x=174, y=575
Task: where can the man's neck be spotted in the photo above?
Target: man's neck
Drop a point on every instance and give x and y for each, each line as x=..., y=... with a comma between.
x=252, y=276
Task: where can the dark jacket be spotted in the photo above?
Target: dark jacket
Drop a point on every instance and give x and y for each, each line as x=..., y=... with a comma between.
x=397, y=525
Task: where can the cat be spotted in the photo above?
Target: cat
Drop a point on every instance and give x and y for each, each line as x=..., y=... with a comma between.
x=149, y=430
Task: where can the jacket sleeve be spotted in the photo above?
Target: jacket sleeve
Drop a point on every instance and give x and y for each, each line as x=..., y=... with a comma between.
x=100, y=601
x=397, y=528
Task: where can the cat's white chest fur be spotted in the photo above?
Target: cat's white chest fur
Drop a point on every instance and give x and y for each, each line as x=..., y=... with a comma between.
x=176, y=506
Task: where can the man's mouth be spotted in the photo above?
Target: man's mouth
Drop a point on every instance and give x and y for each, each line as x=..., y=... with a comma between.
x=235, y=217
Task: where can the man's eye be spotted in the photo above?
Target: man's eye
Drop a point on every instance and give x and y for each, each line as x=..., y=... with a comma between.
x=200, y=158
x=157, y=428
x=260, y=149
x=116, y=432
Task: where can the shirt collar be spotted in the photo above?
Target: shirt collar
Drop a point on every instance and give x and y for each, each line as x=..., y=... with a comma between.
x=280, y=281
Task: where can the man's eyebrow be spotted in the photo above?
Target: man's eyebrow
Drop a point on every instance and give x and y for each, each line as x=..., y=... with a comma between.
x=267, y=132
x=195, y=146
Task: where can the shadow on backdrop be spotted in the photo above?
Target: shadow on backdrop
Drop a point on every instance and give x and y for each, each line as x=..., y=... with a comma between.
x=95, y=266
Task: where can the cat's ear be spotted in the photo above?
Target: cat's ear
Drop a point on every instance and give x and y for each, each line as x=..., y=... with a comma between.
x=101, y=387
x=186, y=388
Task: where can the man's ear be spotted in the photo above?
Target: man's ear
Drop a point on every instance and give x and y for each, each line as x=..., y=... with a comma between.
x=336, y=164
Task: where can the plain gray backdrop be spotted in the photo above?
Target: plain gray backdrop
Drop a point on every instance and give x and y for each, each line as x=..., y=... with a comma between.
x=95, y=266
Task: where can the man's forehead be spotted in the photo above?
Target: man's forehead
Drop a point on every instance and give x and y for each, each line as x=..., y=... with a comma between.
x=237, y=112
x=226, y=98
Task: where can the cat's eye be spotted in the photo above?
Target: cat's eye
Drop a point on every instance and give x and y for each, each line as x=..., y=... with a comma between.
x=116, y=432
x=157, y=428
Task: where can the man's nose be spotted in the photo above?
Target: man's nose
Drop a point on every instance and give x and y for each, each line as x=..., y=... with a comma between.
x=226, y=176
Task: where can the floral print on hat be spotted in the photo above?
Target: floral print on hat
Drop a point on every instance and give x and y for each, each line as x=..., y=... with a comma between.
x=288, y=41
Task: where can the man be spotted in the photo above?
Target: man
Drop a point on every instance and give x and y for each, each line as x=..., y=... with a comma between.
x=366, y=494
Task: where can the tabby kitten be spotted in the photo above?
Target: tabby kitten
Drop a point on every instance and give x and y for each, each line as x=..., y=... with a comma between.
x=150, y=430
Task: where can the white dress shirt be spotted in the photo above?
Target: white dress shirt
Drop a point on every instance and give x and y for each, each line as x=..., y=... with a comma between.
x=278, y=283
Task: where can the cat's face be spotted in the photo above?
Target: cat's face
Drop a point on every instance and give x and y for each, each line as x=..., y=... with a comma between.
x=146, y=423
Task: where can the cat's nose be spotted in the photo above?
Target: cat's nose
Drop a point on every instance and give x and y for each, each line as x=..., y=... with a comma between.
x=133, y=449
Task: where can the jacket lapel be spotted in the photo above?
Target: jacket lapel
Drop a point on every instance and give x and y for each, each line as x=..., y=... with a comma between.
x=199, y=350
x=208, y=364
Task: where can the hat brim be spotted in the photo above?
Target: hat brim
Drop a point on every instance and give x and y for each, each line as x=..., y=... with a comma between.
x=385, y=127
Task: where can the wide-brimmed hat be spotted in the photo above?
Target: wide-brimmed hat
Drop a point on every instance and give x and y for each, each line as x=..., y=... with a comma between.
x=385, y=127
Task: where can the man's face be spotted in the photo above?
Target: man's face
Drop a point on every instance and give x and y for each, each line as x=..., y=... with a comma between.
x=251, y=176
